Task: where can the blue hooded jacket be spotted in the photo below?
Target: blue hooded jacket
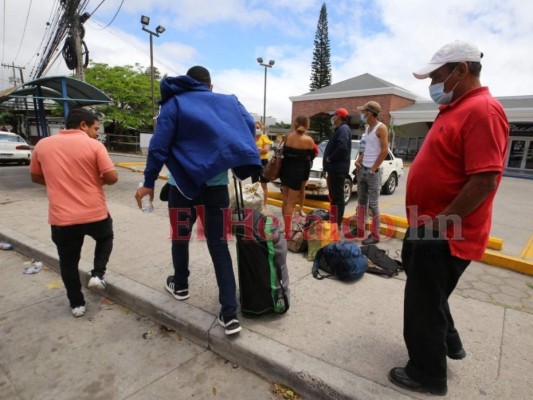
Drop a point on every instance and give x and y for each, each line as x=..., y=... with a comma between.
x=200, y=134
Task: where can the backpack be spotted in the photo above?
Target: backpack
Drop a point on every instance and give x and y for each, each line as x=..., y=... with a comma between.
x=297, y=242
x=343, y=260
x=315, y=216
x=380, y=262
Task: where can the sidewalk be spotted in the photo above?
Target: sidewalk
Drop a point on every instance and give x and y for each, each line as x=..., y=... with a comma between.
x=337, y=340
x=48, y=355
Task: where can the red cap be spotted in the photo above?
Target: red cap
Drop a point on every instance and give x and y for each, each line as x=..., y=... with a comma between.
x=342, y=112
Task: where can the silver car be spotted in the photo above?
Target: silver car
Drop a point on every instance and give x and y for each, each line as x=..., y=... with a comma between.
x=14, y=149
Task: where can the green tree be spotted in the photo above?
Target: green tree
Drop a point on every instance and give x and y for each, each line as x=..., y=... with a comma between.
x=157, y=74
x=321, y=65
x=282, y=125
x=130, y=89
x=321, y=69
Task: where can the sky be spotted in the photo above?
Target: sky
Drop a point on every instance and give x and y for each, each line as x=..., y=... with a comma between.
x=386, y=38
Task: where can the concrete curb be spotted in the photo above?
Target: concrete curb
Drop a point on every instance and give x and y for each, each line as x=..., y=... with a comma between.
x=309, y=376
x=395, y=227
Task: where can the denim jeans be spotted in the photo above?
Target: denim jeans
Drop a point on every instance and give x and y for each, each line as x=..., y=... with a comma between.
x=209, y=205
x=429, y=330
x=69, y=240
x=368, y=189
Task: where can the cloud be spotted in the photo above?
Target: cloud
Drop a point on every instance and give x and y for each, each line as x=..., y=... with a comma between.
x=388, y=39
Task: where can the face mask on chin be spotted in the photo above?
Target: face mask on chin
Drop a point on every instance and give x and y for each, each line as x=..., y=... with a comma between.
x=437, y=93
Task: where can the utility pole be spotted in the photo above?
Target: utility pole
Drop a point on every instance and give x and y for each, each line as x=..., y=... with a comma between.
x=76, y=35
x=73, y=17
x=80, y=74
x=13, y=66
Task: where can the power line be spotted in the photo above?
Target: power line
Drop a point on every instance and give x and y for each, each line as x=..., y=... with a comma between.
x=51, y=64
x=102, y=2
x=129, y=42
x=50, y=27
x=71, y=7
x=4, y=33
x=24, y=31
x=119, y=7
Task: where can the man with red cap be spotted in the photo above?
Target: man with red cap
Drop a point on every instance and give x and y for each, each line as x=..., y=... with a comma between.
x=450, y=191
x=336, y=163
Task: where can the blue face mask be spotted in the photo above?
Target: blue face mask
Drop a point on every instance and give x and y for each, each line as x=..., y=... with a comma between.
x=437, y=93
x=363, y=118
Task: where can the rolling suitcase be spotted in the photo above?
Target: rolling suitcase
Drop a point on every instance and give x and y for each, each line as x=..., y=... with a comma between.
x=261, y=260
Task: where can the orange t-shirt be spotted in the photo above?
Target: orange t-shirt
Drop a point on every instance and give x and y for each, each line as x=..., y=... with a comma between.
x=72, y=164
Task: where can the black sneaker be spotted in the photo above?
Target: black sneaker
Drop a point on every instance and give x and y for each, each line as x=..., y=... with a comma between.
x=457, y=355
x=180, y=294
x=370, y=240
x=230, y=323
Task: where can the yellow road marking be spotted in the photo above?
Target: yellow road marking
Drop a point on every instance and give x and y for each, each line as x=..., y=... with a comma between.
x=131, y=165
x=527, y=252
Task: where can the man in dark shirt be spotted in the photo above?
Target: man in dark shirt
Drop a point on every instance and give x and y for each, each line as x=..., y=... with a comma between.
x=336, y=163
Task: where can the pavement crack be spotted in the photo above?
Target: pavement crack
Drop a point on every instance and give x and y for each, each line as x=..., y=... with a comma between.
x=501, y=343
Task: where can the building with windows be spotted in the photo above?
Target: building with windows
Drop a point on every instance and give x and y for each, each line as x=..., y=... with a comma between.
x=409, y=117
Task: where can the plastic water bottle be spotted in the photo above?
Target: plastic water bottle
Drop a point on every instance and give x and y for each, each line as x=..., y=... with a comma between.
x=146, y=204
x=36, y=267
x=6, y=246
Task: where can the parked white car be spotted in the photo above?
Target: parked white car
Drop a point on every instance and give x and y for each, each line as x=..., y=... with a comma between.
x=316, y=185
x=14, y=149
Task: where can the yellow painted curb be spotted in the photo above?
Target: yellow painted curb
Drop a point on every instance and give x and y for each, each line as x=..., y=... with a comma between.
x=508, y=262
x=393, y=223
x=130, y=165
x=397, y=231
x=527, y=252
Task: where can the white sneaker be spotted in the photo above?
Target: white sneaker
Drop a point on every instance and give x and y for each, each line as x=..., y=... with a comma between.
x=78, y=311
x=97, y=283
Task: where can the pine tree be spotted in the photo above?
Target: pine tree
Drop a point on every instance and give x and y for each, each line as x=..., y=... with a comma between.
x=321, y=70
x=321, y=65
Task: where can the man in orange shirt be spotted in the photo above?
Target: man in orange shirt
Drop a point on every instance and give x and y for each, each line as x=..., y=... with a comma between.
x=74, y=167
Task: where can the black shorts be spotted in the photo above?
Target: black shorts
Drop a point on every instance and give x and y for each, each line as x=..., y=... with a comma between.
x=259, y=175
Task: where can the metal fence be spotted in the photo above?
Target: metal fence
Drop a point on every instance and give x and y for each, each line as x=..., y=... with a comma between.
x=122, y=143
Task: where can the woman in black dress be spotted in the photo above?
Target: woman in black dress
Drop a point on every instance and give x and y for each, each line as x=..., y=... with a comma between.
x=298, y=154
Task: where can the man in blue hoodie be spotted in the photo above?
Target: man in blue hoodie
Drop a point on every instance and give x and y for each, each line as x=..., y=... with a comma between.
x=199, y=136
x=336, y=163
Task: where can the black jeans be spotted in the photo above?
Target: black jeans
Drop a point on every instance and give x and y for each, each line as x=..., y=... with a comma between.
x=209, y=206
x=69, y=240
x=336, y=197
x=429, y=331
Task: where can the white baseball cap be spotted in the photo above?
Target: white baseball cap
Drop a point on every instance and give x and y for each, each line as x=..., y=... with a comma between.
x=458, y=51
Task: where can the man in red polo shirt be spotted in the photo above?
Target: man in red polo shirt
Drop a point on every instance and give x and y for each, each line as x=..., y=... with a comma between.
x=450, y=191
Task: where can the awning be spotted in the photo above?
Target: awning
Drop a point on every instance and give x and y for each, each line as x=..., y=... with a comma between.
x=60, y=89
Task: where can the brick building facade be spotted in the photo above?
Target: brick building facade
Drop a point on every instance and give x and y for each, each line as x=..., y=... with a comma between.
x=352, y=93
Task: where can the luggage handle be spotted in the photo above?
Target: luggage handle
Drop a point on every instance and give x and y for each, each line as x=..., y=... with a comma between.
x=239, y=199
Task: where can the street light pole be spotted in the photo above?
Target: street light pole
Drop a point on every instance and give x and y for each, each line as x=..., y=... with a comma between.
x=152, y=78
x=269, y=65
x=145, y=21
